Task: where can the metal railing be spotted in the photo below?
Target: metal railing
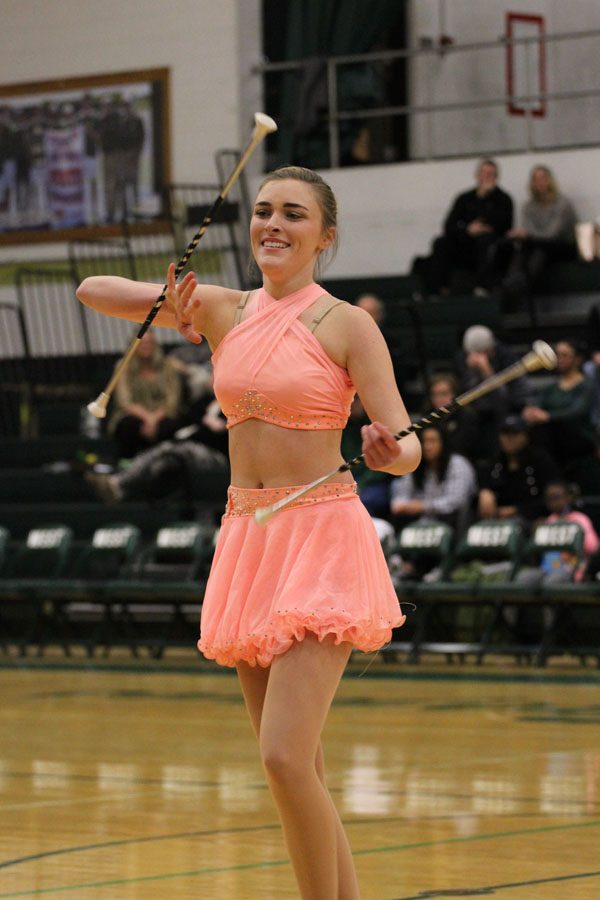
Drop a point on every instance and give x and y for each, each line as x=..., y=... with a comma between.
x=528, y=101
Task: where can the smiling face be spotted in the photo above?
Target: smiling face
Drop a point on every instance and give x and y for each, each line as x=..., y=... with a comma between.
x=287, y=234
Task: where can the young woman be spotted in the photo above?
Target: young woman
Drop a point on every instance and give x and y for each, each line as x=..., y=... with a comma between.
x=546, y=235
x=561, y=418
x=443, y=487
x=286, y=603
x=147, y=401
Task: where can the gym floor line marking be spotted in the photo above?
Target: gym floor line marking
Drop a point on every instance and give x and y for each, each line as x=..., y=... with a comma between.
x=492, y=888
x=215, y=832
x=108, y=798
x=396, y=848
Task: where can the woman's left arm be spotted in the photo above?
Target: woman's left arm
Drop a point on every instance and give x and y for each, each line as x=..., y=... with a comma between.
x=370, y=367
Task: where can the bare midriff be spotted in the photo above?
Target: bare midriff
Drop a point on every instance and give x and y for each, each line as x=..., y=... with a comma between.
x=263, y=455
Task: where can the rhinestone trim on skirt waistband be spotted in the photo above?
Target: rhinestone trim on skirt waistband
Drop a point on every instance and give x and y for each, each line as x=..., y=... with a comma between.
x=245, y=501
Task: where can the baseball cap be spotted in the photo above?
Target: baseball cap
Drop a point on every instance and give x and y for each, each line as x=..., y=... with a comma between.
x=513, y=424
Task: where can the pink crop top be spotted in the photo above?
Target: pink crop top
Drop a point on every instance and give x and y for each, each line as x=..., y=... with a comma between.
x=272, y=367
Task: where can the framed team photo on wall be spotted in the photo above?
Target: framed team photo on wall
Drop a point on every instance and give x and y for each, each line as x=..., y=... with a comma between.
x=78, y=156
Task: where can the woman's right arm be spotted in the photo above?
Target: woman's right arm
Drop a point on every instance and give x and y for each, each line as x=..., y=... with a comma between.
x=123, y=298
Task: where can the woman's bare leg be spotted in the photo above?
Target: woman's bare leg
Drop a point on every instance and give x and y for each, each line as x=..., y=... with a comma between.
x=301, y=686
x=348, y=888
x=254, y=682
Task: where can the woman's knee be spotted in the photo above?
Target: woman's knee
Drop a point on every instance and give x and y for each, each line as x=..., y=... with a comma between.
x=285, y=762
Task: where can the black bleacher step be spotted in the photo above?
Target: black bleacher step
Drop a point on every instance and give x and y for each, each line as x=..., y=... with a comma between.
x=35, y=452
x=442, y=322
x=84, y=518
x=573, y=276
x=57, y=483
x=556, y=316
x=386, y=287
x=25, y=485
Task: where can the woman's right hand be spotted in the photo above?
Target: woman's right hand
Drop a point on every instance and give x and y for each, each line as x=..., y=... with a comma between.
x=183, y=303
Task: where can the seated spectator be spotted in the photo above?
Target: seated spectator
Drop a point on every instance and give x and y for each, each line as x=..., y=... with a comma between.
x=442, y=487
x=561, y=497
x=554, y=567
x=591, y=370
x=461, y=427
x=561, y=415
x=513, y=486
x=558, y=566
x=373, y=486
x=170, y=469
x=483, y=355
x=476, y=221
x=546, y=235
x=147, y=400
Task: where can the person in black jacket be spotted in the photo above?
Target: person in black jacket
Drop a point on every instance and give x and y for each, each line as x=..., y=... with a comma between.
x=476, y=221
x=512, y=487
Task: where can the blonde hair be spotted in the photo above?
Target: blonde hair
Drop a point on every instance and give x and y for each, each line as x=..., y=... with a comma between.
x=553, y=191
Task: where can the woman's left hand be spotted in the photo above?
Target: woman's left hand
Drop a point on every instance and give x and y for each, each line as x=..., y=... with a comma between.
x=380, y=448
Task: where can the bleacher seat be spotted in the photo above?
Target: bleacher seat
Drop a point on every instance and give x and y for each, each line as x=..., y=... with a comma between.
x=82, y=607
x=478, y=584
x=153, y=608
x=571, y=617
x=26, y=611
x=427, y=545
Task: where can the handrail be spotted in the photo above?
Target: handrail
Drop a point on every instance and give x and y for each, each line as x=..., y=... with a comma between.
x=335, y=116
x=445, y=50
x=377, y=112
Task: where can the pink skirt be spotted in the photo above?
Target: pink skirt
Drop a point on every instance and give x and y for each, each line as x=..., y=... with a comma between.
x=316, y=566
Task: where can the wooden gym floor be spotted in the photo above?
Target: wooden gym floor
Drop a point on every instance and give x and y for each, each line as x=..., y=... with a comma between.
x=135, y=780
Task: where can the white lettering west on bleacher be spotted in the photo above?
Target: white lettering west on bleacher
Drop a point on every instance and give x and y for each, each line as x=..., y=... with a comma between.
x=111, y=537
x=177, y=537
x=45, y=537
x=556, y=535
x=421, y=537
x=489, y=535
